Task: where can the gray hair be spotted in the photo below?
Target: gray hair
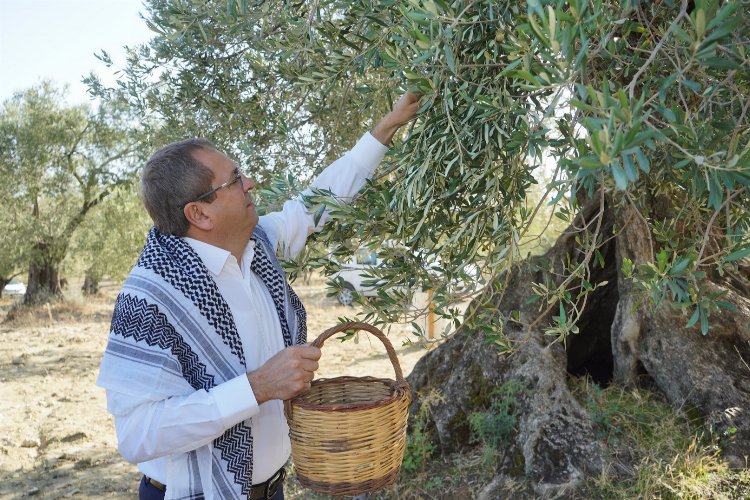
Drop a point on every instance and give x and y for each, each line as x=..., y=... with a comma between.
x=171, y=179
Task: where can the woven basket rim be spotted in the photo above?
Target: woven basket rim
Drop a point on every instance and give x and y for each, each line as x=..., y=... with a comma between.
x=398, y=391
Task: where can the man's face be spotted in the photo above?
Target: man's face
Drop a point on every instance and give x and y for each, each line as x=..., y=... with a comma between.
x=232, y=210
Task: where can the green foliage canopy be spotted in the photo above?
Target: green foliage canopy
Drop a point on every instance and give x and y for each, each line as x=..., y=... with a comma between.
x=644, y=102
x=108, y=242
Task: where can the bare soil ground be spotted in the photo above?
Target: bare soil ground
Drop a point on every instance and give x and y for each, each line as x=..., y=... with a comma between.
x=56, y=437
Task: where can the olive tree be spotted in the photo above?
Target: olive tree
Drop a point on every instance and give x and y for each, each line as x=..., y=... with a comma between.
x=58, y=162
x=109, y=241
x=13, y=253
x=640, y=110
x=644, y=108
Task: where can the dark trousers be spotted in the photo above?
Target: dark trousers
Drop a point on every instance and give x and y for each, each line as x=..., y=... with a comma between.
x=147, y=491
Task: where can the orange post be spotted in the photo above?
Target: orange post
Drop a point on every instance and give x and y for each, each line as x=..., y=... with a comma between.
x=430, y=316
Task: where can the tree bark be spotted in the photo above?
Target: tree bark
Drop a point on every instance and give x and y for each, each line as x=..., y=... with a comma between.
x=90, y=284
x=632, y=243
x=621, y=340
x=44, y=278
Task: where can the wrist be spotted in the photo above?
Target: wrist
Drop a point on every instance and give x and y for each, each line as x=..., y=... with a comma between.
x=385, y=129
x=255, y=386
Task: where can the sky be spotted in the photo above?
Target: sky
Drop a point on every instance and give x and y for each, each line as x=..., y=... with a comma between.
x=57, y=39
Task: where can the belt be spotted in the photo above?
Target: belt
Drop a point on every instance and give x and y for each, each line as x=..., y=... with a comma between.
x=266, y=491
x=262, y=491
x=156, y=484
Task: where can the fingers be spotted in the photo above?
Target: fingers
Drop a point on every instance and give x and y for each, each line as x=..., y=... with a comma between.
x=308, y=351
x=309, y=356
x=286, y=374
x=410, y=97
x=407, y=102
x=406, y=108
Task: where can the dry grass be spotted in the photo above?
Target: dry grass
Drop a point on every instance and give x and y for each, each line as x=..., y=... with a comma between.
x=57, y=441
x=458, y=476
x=655, y=451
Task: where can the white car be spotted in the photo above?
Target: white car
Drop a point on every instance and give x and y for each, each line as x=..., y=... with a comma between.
x=352, y=275
x=14, y=288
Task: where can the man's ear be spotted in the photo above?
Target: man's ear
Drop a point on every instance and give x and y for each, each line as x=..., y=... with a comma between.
x=198, y=217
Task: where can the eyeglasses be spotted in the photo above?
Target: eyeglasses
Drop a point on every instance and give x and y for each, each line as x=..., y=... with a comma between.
x=236, y=177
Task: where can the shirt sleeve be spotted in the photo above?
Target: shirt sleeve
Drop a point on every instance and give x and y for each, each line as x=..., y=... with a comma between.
x=152, y=429
x=291, y=226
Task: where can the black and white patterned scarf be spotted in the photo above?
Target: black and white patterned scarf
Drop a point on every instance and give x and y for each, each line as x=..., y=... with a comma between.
x=173, y=333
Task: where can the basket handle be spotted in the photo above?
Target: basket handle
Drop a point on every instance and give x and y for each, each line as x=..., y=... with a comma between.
x=355, y=325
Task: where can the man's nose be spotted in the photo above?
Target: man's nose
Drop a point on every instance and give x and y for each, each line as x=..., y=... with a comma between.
x=247, y=183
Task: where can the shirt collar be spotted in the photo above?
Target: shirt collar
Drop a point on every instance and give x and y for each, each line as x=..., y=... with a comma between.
x=215, y=258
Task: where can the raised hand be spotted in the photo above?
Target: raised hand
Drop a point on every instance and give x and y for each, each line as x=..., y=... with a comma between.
x=403, y=112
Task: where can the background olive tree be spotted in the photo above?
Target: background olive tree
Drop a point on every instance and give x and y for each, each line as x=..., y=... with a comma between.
x=58, y=162
x=13, y=253
x=108, y=242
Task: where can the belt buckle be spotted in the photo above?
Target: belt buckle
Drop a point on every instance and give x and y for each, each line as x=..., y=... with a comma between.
x=272, y=485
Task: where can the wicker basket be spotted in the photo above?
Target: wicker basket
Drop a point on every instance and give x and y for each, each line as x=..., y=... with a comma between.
x=348, y=433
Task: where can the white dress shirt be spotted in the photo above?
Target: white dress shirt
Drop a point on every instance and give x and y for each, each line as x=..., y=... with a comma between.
x=149, y=431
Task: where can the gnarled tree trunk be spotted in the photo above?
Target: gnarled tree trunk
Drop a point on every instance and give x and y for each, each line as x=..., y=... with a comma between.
x=44, y=277
x=90, y=284
x=621, y=340
x=3, y=282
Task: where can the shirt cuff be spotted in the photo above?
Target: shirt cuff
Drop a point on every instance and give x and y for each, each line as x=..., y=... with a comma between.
x=369, y=152
x=235, y=400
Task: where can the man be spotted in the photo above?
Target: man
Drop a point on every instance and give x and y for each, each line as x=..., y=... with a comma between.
x=207, y=337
